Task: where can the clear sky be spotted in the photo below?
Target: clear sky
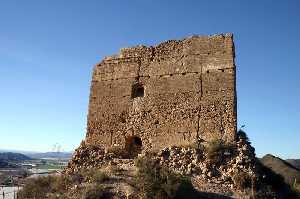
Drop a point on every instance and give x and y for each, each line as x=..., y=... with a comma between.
x=48, y=49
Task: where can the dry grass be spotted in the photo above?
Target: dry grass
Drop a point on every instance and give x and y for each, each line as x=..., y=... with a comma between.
x=156, y=182
x=94, y=191
x=58, y=186
x=42, y=187
x=242, y=180
x=215, y=151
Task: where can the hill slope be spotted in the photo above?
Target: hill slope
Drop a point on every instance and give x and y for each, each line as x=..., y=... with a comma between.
x=13, y=157
x=279, y=166
x=294, y=162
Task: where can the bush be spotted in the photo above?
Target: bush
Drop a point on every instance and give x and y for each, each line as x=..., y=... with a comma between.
x=96, y=176
x=242, y=135
x=93, y=175
x=112, y=170
x=35, y=188
x=76, y=178
x=94, y=191
x=296, y=189
x=40, y=187
x=154, y=181
x=242, y=180
x=216, y=149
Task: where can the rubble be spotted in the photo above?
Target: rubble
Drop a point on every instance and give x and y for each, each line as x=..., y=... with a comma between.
x=188, y=161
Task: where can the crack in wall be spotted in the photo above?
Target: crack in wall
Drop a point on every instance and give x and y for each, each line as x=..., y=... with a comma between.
x=199, y=108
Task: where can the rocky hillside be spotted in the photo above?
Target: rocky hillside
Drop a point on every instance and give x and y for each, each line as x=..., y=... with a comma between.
x=294, y=162
x=282, y=167
x=204, y=170
x=214, y=168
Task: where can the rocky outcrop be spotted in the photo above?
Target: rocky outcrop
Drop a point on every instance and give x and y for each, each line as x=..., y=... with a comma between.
x=290, y=173
x=188, y=161
x=193, y=162
x=85, y=157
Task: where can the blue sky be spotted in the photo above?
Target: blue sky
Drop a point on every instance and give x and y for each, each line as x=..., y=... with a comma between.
x=48, y=49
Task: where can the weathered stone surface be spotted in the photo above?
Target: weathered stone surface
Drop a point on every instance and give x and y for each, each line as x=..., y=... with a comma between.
x=186, y=160
x=171, y=94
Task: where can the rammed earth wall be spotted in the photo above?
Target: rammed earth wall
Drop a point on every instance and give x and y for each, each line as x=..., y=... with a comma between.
x=171, y=94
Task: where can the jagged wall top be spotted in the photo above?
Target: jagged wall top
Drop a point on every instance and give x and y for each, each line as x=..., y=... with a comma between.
x=187, y=92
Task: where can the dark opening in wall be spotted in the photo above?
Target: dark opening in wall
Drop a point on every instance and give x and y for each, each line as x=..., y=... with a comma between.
x=137, y=91
x=133, y=146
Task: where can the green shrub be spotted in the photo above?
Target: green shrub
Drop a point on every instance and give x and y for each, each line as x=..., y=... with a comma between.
x=154, y=181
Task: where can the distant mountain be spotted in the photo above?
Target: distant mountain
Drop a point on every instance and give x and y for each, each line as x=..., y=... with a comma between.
x=13, y=157
x=62, y=155
x=294, y=162
x=281, y=167
x=16, y=151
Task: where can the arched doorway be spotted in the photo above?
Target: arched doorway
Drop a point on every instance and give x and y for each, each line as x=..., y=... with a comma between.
x=133, y=146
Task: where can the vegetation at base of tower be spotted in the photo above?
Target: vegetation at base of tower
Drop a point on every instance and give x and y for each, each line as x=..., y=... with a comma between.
x=153, y=180
x=156, y=182
x=96, y=176
x=243, y=180
x=94, y=191
x=57, y=186
x=216, y=151
x=241, y=135
x=41, y=187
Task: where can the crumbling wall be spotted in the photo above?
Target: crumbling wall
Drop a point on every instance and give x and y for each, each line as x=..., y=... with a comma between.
x=170, y=94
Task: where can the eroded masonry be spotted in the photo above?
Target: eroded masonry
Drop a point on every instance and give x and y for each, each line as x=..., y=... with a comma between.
x=175, y=93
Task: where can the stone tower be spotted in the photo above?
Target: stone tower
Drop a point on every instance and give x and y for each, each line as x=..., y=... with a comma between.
x=174, y=93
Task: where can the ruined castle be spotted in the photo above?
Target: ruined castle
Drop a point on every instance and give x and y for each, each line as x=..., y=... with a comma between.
x=175, y=93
